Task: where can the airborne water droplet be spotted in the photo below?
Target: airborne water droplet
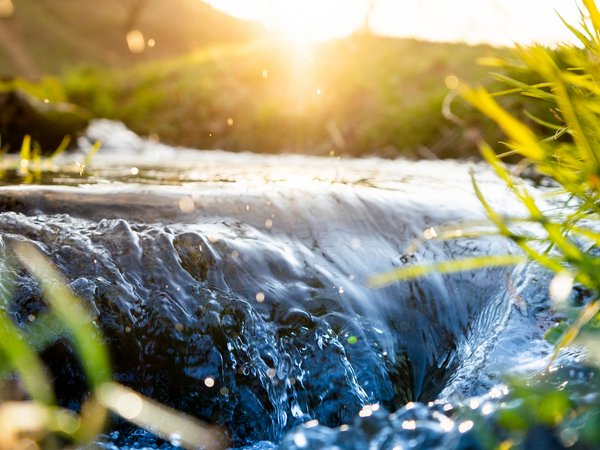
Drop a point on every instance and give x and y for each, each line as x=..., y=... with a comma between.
x=300, y=439
x=465, y=426
x=175, y=439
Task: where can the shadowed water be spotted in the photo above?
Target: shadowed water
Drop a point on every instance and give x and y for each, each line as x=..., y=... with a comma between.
x=234, y=287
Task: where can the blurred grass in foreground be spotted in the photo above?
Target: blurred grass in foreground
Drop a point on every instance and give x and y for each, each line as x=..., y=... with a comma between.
x=36, y=421
x=30, y=166
x=569, y=154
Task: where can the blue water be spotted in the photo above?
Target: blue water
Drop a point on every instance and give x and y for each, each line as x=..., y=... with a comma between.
x=234, y=288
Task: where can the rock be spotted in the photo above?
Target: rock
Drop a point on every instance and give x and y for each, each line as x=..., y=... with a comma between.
x=46, y=123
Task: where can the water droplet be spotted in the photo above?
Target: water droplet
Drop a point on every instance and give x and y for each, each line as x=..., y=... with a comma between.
x=487, y=409
x=187, y=205
x=355, y=243
x=300, y=440
x=465, y=426
x=265, y=73
x=446, y=424
x=474, y=403
x=498, y=392
x=318, y=91
x=151, y=43
x=409, y=425
x=352, y=340
x=365, y=412
x=134, y=171
x=569, y=437
x=127, y=330
x=209, y=382
x=429, y=233
x=135, y=41
x=451, y=82
x=175, y=439
x=31, y=317
x=271, y=372
x=268, y=224
x=341, y=290
x=560, y=287
x=260, y=297
x=230, y=121
x=311, y=423
x=344, y=427
x=129, y=405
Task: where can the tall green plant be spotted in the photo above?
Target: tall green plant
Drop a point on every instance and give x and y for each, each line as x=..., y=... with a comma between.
x=541, y=412
x=568, y=84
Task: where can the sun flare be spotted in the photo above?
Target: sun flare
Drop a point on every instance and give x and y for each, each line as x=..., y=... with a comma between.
x=302, y=22
x=314, y=20
x=492, y=21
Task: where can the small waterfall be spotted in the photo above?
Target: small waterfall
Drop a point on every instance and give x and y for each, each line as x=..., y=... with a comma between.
x=251, y=272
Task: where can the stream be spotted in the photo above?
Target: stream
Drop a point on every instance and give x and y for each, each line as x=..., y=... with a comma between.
x=235, y=288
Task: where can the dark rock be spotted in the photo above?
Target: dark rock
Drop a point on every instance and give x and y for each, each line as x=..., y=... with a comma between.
x=46, y=123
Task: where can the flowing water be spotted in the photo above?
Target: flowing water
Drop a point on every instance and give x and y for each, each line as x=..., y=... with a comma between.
x=234, y=287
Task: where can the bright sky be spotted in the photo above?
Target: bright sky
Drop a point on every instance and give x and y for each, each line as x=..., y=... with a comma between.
x=494, y=21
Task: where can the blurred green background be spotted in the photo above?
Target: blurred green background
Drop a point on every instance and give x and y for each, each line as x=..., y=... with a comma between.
x=187, y=74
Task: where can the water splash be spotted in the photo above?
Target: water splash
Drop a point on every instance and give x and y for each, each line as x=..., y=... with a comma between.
x=245, y=302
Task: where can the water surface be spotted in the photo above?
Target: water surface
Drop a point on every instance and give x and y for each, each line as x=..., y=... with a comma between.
x=234, y=287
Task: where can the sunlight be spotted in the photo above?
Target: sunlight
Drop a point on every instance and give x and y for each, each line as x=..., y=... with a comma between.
x=7, y=8
x=301, y=22
x=314, y=20
x=491, y=21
